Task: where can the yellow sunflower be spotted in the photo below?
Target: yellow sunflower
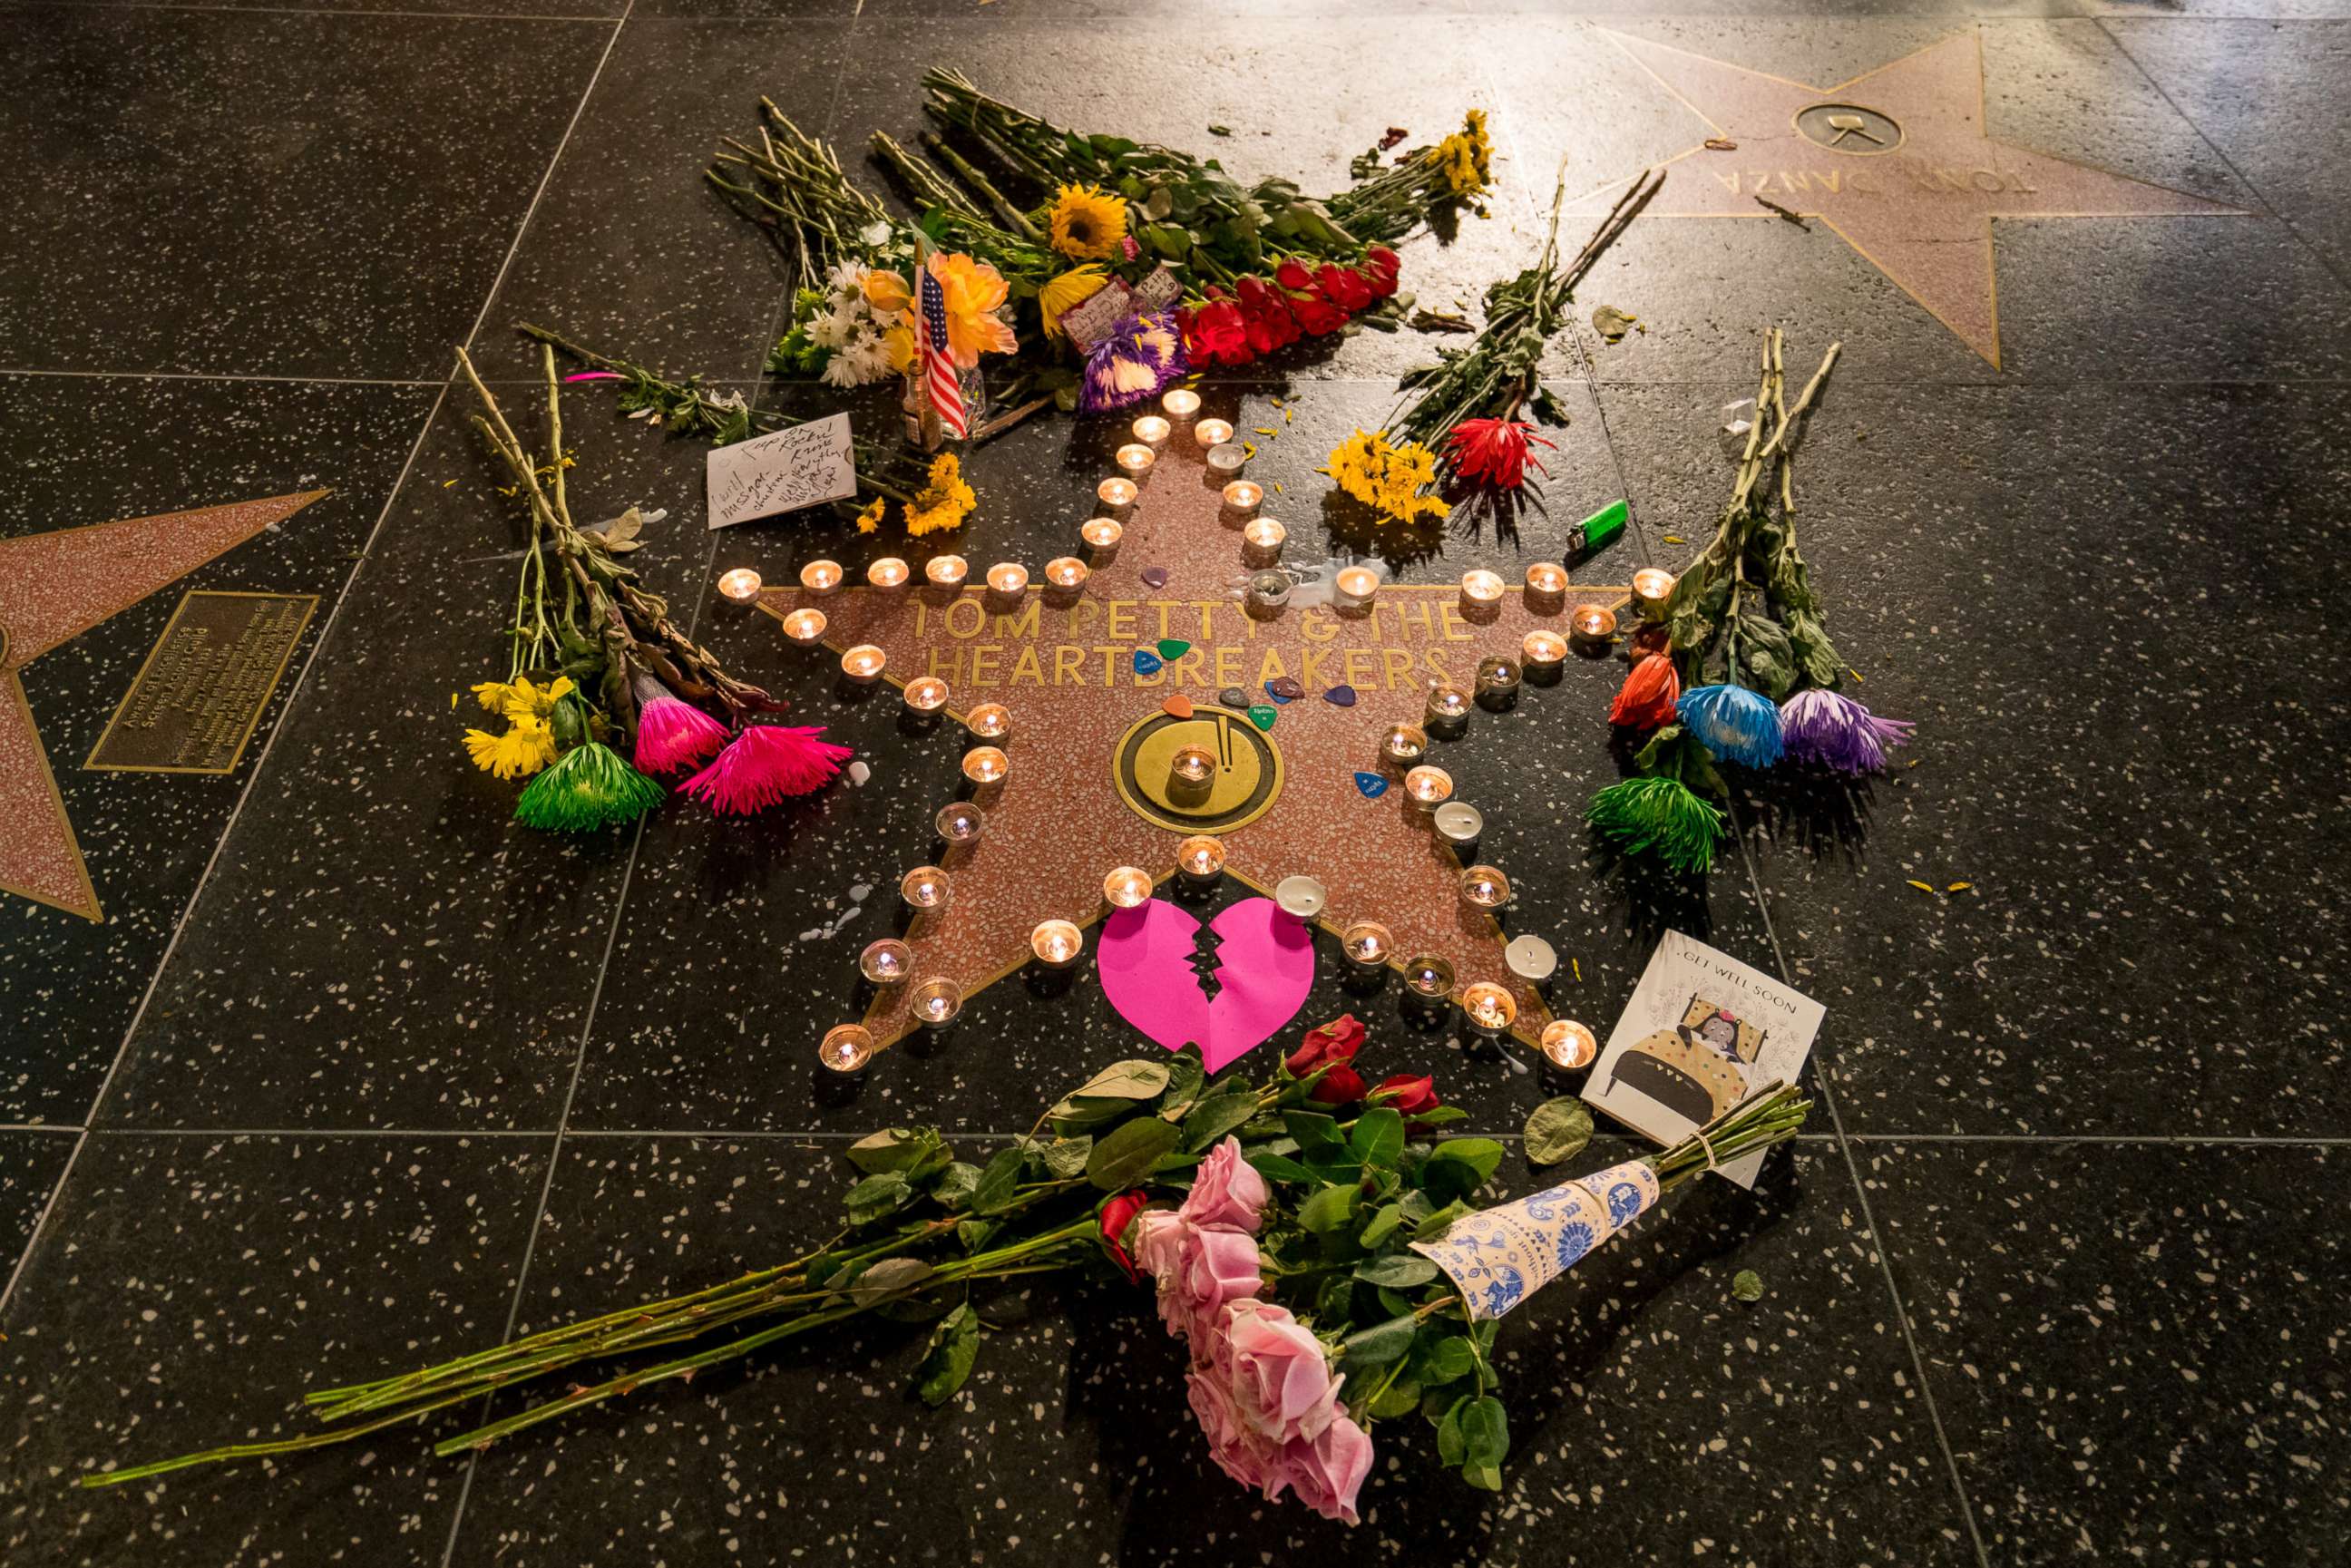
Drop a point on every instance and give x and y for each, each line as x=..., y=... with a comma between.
x=1065, y=294
x=942, y=504
x=1466, y=158
x=1089, y=223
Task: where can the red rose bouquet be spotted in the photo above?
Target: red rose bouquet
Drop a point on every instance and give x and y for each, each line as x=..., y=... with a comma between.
x=1313, y=1248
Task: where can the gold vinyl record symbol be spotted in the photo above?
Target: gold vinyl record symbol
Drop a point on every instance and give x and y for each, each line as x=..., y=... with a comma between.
x=1210, y=773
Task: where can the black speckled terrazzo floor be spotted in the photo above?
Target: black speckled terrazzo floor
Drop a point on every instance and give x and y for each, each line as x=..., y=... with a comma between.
x=356, y=1072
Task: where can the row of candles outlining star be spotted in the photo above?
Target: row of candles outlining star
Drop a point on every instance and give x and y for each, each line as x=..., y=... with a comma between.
x=937, y=1001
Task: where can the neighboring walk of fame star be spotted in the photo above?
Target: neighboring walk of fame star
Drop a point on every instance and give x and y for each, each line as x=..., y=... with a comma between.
x=53, y=587
x=1058, y=822
x=1897, y=160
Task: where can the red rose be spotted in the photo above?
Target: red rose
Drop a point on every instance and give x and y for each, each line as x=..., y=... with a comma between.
x=1343, y=288
x=1337, y=1040
x=1117, y=1216
x=1270, y=326
x=1217, y=333
x=1319, y=317
x=1342, y=1085
x=1381, y=268
x=1293, y=275
x=1407, y=1094
x=1255, y=295
x=1649, y=694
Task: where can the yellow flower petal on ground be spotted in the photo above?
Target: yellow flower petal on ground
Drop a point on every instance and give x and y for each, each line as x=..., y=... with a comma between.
x=1088, y=223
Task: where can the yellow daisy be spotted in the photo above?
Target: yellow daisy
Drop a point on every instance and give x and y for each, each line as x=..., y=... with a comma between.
x=1389, y=479
x=517, y=754
x=1089, y=223
x=942, y=504
x=869, y=521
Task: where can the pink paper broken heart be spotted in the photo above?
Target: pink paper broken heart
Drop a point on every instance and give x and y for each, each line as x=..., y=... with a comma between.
x=1265, y=966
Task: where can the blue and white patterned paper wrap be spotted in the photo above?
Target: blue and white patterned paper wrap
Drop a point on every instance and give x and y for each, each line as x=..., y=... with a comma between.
x=1500, y=1257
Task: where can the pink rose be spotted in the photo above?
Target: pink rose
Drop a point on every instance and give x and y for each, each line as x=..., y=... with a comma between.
x=1227, y=1190
x=1280, y=1373
x=1325, y=1470
x=1237, y=1452
x=1198, y=1271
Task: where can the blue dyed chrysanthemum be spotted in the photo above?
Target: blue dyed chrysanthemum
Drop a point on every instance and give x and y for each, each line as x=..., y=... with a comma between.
x=1733, y=723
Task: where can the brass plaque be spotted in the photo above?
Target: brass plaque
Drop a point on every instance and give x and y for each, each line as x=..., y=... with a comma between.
x=1849, y=128
x=1246, y=777
x=205, y=684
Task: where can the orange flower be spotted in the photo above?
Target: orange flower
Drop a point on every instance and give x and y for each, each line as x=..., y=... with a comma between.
x=973, y=292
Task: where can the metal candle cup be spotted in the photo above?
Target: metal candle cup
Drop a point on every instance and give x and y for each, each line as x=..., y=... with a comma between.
x=1546, y=587
x=1212, y=432
x=1064, y=575
x=1267, y=590
x=1428, y=787
x=739, y=586
x=926, y=694
x=1427, y=975
x=1542, y=650
x=1134, y=459
x=989, y=721
x=862, y=664
x=1568, y=1045
x=1116, y=494
x=1008, y=579
x=1101, y=535
x=1404, y=745
x=1151, y=431
x=947, y=570
x=1459, y=823
x=822, y=577
x=1492, y=1008
x=1057, y=942
x=1485, y=888
x=1498, y=678
x=1481, y=592
x=886, y=962
x=1240, y=501
x=960, y=822
x=846, y=1048
x=1367, y=944
x=1127, y=887
x=1261, y=542
x=1301, y=896
x=1530, y=958
x=1181, y=403
x=889, y=572
x=925, y=887
x=986, y=764
x=1591, y=624
x=1448, y=706
x=1201, y=857
x=1652, y=586
x=804, y=628
x=1226, y=461
x=1190, y=769
x=1354, y=587
x=936, y=1002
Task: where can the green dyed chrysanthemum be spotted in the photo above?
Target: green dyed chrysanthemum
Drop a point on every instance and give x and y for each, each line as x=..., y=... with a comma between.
x=1659, y=816
x=588, y=788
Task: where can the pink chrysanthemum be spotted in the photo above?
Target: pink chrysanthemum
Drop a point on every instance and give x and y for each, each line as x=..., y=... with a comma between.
x=766, y=763
x=672, y=732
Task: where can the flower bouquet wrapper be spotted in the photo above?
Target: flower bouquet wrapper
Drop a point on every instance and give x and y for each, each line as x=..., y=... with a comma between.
x=1500, y=1257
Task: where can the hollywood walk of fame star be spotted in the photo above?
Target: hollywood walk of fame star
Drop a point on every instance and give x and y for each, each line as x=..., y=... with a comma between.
x=53, y=587
x=1897, y=160
x=1058, y=823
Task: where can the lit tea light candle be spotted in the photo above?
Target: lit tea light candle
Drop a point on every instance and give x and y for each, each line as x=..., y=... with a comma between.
x=1261, y=542
x=1008, y=578
x=1228, y=460
x=1116, y=494
x=1269, y=590
x=986, y=764
x=741, y=586
x=1546, y=586
x=989, y=721
x=1498, y=677
x=1356, y=585
x=1543, y=650
x=936, y=1002
x=1127, y=887
x=886, y=962
x=1592, y=623
x=1485, y=888
x=863, y=663
x=821, y=575
x=1481, y=590
x=1367, y=944
x=845, y=1049
x=925, y=887
x=1427, y=975
x=1652, y=586
x=1212, y=432
x=926, y=694
x=1428, y=787
x=1181, y=403
x=1301, y=896
x=889, y=572
x=1192, y=766
x=960, y=822
x=1492, y=1008
x=947, y=570
x=1134, y=459
x=1568, y=1045
x=804, y=627
x=1101, y=534
x=1201, y=857
x=1057, y=942
x=1404, y=744
x=1242, y=499
x=1447, y=705
x=1459, y=823
x=1066, y=573
x=1530, y=958
x=1151, y=431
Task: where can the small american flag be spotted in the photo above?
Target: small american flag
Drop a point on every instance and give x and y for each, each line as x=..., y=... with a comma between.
x=938, y=365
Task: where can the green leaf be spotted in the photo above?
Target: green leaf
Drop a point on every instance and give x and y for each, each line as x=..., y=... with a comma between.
x=1128, y=1154
x=1438, y=1219
x=890, y=1277
x=1440, y=1115
x=1210, y=1119
x=1312, y=1130
x=1220, y=130
x=998, y=1183
x=1065, y=1157
x=1451, y=1449
x=955, y=1345
x=1185, y=1077
x=1443, y=1359
x=878, y=1195
x=1132, y=1080
x=1486, y=1433
x=1331, y=1209
x=956, y=1184
x=1332, y=1302
x=1396, y=1271
x=1558, y=1129
x=1485, y=1478
x=891, y=1149
x=1459, y=1167
x=1378, y=1137
x=1382, y=1226
x=1747, y=1285
x=1398, y=1398
x=971, y=1235
x=1278, y=1168
x=1379, y=1344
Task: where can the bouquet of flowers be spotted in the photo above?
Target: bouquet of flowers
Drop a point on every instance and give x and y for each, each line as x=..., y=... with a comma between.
x=1459, y=427
x=596, y=667
x=1738, y=667
x=1307, y=1237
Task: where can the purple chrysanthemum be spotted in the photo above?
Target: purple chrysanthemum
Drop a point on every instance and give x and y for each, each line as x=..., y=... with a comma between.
x=1837, y=732
x=1134, y=362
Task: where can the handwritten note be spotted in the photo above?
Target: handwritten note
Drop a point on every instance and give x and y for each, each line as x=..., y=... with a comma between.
x=805, y=465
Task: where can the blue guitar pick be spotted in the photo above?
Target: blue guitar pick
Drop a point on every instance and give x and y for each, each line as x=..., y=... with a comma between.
x=1372, y=785
x=1147, y=664
x=1339, y=697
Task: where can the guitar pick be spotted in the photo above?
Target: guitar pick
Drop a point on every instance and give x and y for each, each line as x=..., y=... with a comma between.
x=1177, y=706
x=1147, y=664
x=1154, y=577
x=1174, y=647
x=1339, y=697
x=1262, y=716
x=1233, y=697
x=1283, y=689
x=1372, y=785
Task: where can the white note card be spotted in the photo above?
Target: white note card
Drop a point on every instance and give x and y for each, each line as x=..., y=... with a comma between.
x=805, y=465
